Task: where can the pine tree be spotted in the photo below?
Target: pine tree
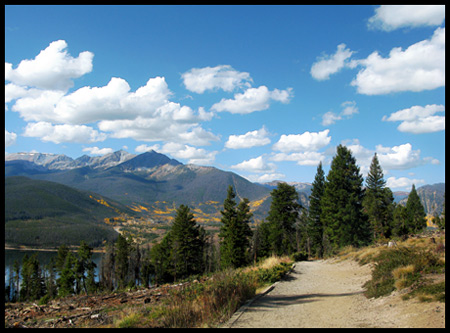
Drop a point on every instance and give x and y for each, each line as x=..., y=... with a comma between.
x=66, y=280
x=122, y=254
x=342, y=216
x=315, y=225
x=378, y=201
x=235, y=231
x=187, y=244
x=16, y=269
x=282, y=216
x=84, y=264
x=37, y=285
x=261, y=243
x=399, y=227
x=161, y=259
x=25, y=286
x=415, y=213
x=107, y=275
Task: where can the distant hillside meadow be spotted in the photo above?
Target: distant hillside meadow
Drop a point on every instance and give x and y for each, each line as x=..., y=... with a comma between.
x=63, y=196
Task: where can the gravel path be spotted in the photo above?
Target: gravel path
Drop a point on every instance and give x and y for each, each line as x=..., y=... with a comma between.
x=327, y=293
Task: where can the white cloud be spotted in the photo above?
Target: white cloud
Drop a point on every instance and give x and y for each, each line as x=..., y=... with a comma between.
x=327, y=65
x=420, y=67
x=10, y=138
x=63, y=133
x=391, y=17
x=349, y=109
x=146, y=114
x=98, y=151
x=157, y=129
x=53, y=68
x=302, y=142
x=194, y=155
x=248, y=140
x=402, y=183
x=265, y=178
x=253, y=99
x=419, y=119
x=258, y=165
x=310, y=158
x=400, y=157
x=220, y=77
x=330, y=118
x=145, y=148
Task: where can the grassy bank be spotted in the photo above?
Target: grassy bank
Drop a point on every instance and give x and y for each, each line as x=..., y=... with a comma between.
x=210, y=303
x=415, y=267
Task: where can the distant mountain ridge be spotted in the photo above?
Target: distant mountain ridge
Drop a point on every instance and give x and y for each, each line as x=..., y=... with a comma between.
x=63, y=162
x=157, y=182
x=150, y=180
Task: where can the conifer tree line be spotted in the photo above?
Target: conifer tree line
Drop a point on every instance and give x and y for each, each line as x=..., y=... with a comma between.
x=342, y=211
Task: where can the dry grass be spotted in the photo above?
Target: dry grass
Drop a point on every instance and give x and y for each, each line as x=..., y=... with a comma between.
x=401, y=275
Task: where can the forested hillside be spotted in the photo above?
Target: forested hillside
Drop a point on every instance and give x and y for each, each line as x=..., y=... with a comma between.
x=43, y=213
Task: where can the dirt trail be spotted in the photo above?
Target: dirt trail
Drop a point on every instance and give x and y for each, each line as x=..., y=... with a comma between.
x=327, y=293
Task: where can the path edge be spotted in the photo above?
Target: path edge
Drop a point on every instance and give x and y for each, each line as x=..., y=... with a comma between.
x=230, y=322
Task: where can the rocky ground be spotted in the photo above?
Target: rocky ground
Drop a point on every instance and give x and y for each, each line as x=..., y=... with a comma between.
x=80, y=311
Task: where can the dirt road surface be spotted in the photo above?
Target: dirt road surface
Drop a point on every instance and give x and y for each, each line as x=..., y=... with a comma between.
x=328, y=293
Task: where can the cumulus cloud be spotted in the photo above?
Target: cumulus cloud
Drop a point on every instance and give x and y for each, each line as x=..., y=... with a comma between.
x=302, y=142
x=253, y=99
x=222, y=77
x=327, y=65
x=248, y=140
x=39, y=89
x=419, y=119
x=157, y=129
x=63, y=133
x=146, y=148
x=10, y=138
x=98, y=151
x=309, y=158
x=400, y=157
x=194, y=155
x=349, y=109
x=265, y=178
x=258, y=165
x=402, y=183
x=52, y=69
x=391, y=17
x=420, y=67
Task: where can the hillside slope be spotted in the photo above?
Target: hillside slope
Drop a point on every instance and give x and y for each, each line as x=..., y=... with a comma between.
x=42, y=213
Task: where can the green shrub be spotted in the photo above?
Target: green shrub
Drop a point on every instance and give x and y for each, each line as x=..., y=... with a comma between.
x=300, y=256
x=386, y=262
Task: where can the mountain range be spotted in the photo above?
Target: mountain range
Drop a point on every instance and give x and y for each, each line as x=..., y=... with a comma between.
x=153, y=185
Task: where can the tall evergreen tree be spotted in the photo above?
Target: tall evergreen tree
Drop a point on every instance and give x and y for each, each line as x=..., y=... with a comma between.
x=315, y=225
x=399, y=221
x=66, y=280
x=342, y=216
x=235, y=231
x=415, y=213
x=161, y=259
x=122, y=254
x=85, y=264
x=282, y=216
x=187, y=244
x=378, y=201
x=37, y=286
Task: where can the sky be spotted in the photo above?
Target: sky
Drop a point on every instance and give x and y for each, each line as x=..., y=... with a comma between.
x=267, y=92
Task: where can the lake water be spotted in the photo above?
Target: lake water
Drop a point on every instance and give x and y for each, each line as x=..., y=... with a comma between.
x=44, y=258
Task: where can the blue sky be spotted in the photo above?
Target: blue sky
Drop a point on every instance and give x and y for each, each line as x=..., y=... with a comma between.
x=264, y=91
